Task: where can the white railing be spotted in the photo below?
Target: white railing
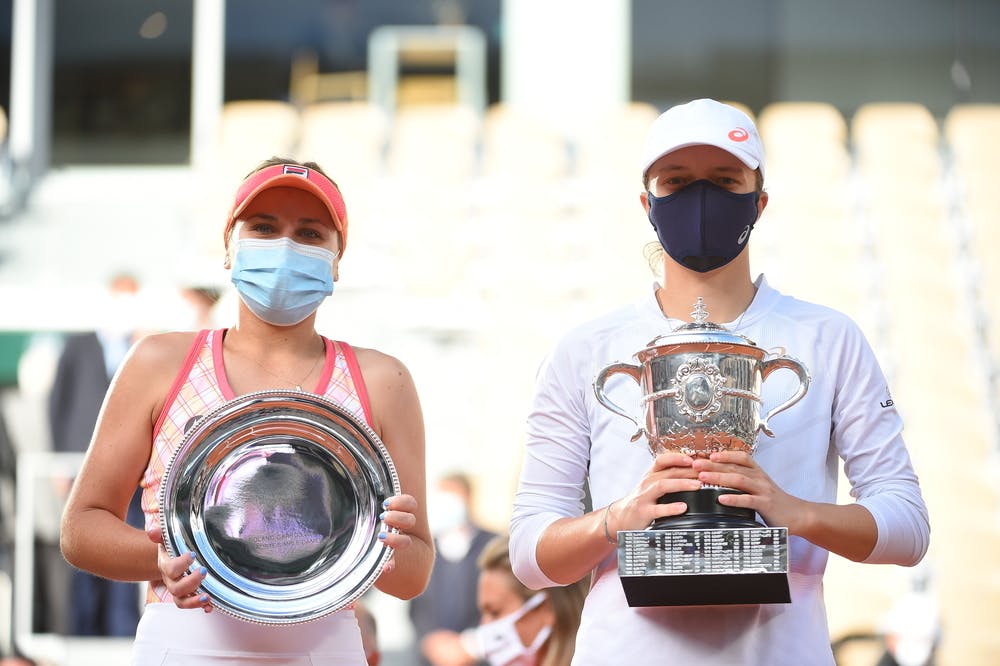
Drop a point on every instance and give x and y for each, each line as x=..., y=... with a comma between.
x=33, y=469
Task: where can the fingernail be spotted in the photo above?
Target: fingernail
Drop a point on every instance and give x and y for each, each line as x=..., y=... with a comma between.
x=385, y=504
x=381, y=516
x=191, y=555
x=203, y=598
x=381, y=535
x=203, y=571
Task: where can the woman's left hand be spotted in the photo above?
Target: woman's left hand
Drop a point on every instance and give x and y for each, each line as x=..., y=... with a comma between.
x=398, y=518
x=738, y=470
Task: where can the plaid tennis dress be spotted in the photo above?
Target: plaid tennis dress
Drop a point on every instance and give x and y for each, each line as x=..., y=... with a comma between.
x=169, y=635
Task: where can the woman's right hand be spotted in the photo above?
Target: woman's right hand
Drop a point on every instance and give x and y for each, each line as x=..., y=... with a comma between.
x=558, y=552
x=181, y=575
x=670, y=473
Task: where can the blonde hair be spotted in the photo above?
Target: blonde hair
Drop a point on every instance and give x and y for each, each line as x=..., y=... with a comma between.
x=566, y=601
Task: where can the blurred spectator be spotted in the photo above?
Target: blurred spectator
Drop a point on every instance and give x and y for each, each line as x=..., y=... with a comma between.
x=448, y=605
x=201, y=303
x=912, y=628
x=97, y=606
x=369, y=634
x=520, y=627
x=86, y=365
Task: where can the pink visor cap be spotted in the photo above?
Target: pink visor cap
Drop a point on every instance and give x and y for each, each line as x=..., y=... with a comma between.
x=704, y=122
x=292, y=175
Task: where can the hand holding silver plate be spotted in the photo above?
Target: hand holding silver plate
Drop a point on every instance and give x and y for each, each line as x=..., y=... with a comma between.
x=279, y=494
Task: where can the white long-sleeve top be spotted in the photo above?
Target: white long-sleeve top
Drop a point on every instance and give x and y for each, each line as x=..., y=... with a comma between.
x=847, y=413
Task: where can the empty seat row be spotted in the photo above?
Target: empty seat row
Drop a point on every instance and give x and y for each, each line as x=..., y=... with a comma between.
x=808, y=143
x=441, y=142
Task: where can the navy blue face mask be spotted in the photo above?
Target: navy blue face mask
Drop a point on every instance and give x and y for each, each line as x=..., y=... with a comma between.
x=703, y=226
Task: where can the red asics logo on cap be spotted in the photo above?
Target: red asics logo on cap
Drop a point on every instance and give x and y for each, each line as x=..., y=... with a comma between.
x=739, y=134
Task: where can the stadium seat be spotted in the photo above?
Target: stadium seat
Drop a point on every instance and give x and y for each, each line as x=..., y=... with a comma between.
x=518, y=145
x=347, y=138
x=972, y=133
x=790, y=125
x=610, y=144
x=890, y=137
x=434, y=142
x=806, y=146
x=254, y=130
x=878, y=125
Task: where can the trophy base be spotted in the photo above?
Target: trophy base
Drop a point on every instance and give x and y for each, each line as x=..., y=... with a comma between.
x=704, y=511
x=698, y=567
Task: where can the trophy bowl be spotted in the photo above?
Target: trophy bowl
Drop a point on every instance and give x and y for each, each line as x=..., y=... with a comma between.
x=278, y=495
x=701, y=389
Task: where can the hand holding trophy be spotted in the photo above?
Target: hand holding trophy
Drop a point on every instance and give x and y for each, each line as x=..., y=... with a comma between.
x=701, y=394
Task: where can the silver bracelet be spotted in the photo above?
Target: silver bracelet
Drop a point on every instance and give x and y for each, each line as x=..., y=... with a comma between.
x=607, y=535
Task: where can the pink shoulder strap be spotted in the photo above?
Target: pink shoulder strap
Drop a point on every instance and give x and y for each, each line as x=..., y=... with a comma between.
x=180, y=378
x=357, y=378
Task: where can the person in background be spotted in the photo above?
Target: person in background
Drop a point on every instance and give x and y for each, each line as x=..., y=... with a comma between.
x=200, y=302
x=519, y=627
x=702, y=174
x=912, y=628
x=284, y=238
x=87, y=363
x=448, y=606
x=369, y=634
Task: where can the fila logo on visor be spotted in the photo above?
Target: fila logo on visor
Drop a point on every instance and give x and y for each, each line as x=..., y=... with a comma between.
x=296, y=170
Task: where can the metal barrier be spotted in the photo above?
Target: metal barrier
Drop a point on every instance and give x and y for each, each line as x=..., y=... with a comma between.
x=462, y=47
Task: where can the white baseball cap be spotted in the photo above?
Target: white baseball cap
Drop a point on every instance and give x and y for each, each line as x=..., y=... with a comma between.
x=704, y=121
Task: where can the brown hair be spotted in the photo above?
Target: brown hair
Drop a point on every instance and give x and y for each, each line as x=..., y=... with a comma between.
x=567, y=602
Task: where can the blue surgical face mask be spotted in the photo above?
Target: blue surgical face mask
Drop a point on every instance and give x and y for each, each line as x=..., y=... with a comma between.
x=282, y=281
x=703, y=226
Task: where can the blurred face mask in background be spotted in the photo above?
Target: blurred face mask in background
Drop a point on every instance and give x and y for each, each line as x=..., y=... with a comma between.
x=499, y=643
x=282, y=281
x=446, y=511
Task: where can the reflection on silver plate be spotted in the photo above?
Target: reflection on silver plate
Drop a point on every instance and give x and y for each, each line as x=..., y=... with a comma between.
x=278, y=494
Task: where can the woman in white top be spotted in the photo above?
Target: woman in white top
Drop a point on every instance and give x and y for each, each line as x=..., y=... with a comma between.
x=703, y=175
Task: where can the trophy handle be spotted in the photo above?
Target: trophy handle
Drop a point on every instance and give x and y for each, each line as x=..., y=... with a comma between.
x=632, y=371
x=769, y=366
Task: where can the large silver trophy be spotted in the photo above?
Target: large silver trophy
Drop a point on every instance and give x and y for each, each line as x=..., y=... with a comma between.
x=700, y=394
x=278, y=494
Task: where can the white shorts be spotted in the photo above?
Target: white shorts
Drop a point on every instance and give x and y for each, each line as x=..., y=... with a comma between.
x=171, y=636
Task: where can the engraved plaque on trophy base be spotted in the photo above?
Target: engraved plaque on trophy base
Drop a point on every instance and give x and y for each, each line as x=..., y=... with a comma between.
x=696, y=567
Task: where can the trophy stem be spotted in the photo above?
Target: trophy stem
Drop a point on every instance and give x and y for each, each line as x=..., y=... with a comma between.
x=705, y=512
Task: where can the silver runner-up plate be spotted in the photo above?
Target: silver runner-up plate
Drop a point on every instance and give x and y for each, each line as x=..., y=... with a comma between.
x=278, y=495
